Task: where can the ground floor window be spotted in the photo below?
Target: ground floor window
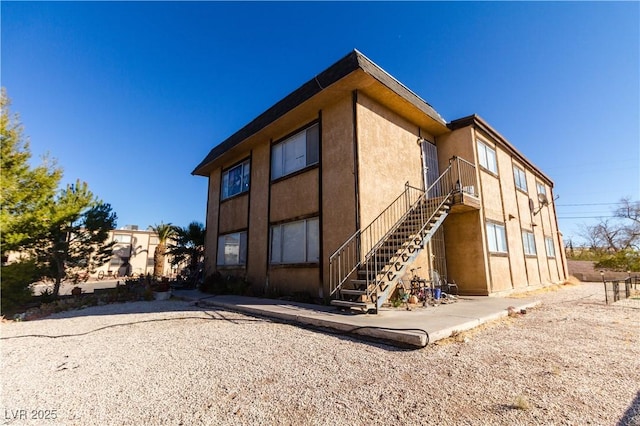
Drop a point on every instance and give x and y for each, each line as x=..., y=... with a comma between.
x=232, y=249
x=295, y=242
x=529, y=243
x=496, y=237
x=551, y=251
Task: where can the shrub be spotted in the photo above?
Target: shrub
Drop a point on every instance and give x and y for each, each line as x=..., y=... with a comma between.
x=216, y=283
x=15, y=282
x=624, y=260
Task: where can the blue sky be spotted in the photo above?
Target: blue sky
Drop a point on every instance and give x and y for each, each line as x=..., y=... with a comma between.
x=130, y=97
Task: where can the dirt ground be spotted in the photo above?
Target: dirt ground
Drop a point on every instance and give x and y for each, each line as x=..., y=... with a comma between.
x=571, y=361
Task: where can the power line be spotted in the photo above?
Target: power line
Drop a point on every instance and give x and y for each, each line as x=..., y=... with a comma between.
x=589, y=204
x=585, y=217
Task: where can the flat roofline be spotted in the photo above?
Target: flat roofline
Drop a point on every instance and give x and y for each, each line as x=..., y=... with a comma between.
x=345, y=66
x=478, y=122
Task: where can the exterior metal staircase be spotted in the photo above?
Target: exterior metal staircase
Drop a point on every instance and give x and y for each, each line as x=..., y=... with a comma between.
x=366, y=268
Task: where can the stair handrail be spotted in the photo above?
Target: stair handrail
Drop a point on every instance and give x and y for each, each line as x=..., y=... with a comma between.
x=433, y=192
x=349, y=256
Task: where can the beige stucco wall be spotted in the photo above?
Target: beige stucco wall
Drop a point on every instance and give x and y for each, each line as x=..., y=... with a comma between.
x=457, y=143
x=292, y=280
x=338, y=181
x=465, y=252
x=211, y=236
x=464, y=233
x=258, y=232
x=503, y=203
x=295, y=196
x=388, y=157
x=234, y=214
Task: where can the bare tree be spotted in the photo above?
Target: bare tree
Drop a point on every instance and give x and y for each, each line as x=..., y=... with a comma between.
x=622, y=232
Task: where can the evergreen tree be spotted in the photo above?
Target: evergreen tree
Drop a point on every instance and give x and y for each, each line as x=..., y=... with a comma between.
x=76, y=234
x=26, y=193
x=55, y=232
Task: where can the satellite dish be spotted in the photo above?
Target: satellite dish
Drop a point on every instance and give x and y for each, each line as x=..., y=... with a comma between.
x=531, y=206
x=542, y=199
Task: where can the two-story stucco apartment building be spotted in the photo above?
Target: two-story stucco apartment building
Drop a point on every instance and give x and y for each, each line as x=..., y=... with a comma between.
x=341, y=187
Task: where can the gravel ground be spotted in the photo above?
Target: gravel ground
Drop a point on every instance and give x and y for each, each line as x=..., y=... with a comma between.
x=572, y=361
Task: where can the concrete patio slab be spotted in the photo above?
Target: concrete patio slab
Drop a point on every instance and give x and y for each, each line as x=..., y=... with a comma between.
x=398, y=326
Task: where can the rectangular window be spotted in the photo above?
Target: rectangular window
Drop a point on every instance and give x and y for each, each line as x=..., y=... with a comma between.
x=153, y=240
x=115, y=261
x=541, y=188
x=496, y=237
x=150, y=262
x=529, y=243
x=295, y=242
x=122, y=238
x=520, y=178
x=487, y=157
x=551, y=251
x=236, y=180
x=232, y=249
x=295, y=153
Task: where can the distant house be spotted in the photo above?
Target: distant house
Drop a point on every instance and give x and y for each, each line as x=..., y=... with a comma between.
x=347, y=183
x=133, y=253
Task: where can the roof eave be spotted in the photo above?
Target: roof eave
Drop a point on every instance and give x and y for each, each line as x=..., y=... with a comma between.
x=478, y=122
x=345, y=66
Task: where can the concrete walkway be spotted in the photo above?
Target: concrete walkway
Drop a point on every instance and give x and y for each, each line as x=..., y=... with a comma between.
x=397, y=326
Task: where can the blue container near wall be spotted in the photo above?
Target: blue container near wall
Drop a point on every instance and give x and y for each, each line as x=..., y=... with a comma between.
x=436, y=293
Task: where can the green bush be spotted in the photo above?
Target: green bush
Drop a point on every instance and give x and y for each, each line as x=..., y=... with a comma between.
x=16, y=278
x=216, y=283
x=624, y=260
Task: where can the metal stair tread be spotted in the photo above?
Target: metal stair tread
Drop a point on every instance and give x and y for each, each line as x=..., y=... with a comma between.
x=353, y=292
x=347, y=304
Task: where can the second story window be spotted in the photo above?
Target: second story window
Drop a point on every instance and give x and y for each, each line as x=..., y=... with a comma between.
x=295, y=153
x=541, y=188
x=236, y=180
x=122, y=238
x=487, y=157
x=520, y=178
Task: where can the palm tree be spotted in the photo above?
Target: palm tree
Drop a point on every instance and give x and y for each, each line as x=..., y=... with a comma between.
x=188, y=246
x=164, y=231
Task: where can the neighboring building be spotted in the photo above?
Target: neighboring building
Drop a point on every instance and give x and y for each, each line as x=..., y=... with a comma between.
x=133, y=253
x=324, y=194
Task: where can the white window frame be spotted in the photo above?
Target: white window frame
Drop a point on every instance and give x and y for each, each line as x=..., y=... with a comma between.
x=122, y=238
x=496, y=237
x=529, y=243
x=225, y=255
x=228, y=188
x=551, y=250
x=296, y=152
x=520, y=178
x=487, y=157
x=541, y=188
x=286, y=251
